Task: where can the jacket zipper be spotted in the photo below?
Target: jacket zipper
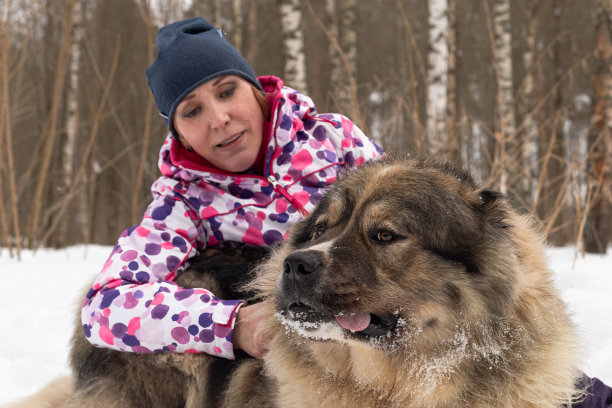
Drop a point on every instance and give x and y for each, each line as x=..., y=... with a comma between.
x=281, y=190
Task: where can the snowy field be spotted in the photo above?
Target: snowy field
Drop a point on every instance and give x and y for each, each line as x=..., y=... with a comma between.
x=38, y=297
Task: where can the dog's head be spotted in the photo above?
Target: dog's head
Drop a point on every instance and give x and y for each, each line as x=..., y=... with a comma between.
x=394, y=248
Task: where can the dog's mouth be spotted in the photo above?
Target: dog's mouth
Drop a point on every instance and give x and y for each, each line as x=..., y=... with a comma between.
x=364, y=324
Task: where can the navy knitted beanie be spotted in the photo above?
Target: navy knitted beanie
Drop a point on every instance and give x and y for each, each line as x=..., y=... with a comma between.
x=191, y=52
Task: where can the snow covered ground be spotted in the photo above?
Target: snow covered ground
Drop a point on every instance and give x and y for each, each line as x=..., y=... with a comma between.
x=38, y=298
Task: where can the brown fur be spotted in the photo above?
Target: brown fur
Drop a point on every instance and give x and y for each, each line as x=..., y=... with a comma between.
x=461, y=306
x=479, y=323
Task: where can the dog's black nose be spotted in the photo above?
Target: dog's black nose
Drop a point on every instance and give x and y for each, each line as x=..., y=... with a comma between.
x=300, y=264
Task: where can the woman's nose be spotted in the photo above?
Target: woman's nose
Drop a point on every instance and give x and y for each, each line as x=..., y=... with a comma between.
x=218, y=116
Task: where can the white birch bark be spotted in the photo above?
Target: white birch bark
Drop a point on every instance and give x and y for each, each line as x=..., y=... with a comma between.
x=437, y=75
x=293, y=44
x=503, y=64
x=529, y=149
x=72, y=117
x=452, y=132
x=72, y=98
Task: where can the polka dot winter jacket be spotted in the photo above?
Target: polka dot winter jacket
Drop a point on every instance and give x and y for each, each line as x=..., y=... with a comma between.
x=134, y=305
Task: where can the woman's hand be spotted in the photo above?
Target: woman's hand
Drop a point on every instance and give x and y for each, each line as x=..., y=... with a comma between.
x=248, y=335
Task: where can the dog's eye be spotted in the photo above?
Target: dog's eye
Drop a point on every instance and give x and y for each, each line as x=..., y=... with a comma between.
x=319, y=230
x=384, y=237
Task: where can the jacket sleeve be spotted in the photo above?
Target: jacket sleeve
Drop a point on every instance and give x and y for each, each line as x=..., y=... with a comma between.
x=134, y=305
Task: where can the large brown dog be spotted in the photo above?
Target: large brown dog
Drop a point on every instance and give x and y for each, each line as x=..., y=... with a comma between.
x=411, y=286
x=408, y=286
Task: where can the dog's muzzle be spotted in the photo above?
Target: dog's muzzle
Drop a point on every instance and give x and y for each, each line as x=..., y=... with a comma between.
x=302, y=272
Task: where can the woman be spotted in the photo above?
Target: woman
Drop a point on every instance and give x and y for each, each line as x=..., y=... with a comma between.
x=245, y=159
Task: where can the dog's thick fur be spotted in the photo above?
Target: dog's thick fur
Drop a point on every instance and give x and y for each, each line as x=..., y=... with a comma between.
x=408, y=286
x=452, y=282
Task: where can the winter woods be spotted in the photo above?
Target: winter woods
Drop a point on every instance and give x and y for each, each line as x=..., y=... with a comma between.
x=517, y=91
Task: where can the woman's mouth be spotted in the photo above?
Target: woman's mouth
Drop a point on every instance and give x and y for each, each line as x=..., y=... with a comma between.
x=231, y=141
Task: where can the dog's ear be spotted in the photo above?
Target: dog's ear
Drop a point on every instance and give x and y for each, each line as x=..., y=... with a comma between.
x=488, y=216
x=493, y=205
x=489, y=196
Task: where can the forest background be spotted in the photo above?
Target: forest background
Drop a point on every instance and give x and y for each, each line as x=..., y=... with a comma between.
x=519, y=92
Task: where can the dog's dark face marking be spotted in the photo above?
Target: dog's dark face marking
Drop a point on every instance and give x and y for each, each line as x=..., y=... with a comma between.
x=388, y=248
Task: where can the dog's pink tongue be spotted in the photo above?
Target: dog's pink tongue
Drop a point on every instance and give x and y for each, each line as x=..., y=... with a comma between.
x=354, y=322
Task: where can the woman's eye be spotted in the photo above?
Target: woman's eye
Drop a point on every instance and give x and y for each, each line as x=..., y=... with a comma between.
x=384, y=236
x=191, y=112
x=319, y=230
x=226, y=93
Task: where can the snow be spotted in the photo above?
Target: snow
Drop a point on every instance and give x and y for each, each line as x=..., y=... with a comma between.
x=39, y=294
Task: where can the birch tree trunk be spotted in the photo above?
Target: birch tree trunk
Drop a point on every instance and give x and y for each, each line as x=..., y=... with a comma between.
x=503, y=64
x=293, y=45
x=452, y=120
x=72, y=117
x=598, y=226
x=526, y=184
x=437, y=76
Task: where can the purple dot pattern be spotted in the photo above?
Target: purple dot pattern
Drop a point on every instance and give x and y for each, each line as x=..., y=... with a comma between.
x=134, y=304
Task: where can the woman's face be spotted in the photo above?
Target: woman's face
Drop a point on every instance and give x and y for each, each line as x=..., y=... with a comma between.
x=222, y=121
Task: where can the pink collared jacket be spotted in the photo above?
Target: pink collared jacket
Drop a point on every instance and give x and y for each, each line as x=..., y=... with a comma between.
x=134, y=304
